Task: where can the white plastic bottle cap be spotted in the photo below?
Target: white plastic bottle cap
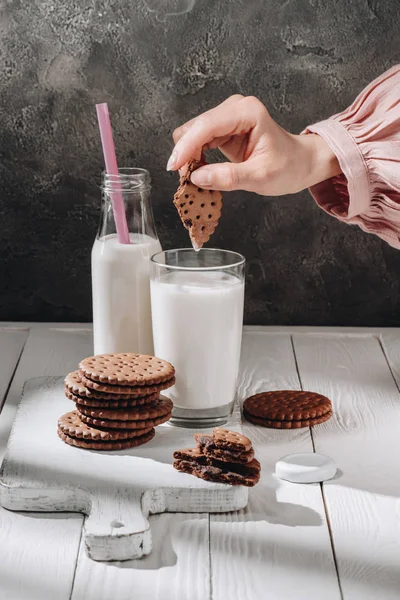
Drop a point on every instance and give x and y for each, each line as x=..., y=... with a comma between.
x=305, y=467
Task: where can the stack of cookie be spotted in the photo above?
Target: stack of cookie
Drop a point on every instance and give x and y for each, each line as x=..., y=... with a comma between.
x=118, y=401
x=223, y=457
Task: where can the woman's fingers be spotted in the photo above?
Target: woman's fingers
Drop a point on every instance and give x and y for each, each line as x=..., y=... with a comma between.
x=180, y=131
x=230, y=176
x=234, y=118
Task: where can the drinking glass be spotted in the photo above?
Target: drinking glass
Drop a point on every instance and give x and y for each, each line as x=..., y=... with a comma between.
x=197, y=313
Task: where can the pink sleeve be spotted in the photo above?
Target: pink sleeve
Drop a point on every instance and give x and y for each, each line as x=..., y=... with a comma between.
x=366, y=140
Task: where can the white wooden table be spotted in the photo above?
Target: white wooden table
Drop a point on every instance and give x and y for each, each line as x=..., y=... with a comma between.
x=339, y=540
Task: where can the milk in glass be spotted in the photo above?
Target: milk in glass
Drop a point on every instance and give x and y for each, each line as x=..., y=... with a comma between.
x=197, y=326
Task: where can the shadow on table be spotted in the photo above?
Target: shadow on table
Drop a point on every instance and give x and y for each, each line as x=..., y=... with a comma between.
x=360, y=575
x=167, y=539
x=264, y=506
x=170, y=532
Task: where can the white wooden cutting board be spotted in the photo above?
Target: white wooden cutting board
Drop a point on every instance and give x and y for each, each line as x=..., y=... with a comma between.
x=116, y=490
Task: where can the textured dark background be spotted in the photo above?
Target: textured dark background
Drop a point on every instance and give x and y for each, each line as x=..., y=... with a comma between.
x=158, y=63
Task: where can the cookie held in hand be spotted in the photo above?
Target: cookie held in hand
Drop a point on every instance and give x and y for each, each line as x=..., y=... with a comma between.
x=199, y=209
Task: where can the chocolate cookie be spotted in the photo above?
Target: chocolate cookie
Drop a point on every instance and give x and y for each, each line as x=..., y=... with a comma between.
x=129, y=392
x=223, y=457
x=156, y=409
x=293, y=424
x=71, y=425
x=106, y=445
x=287, y=405
x=215, y=474
x=75, y=385
x=125, y=403
x=126, y=369
x=223, y=439
x=108, y=424
x=194, y=454
x=207, y=446
x=199, y=209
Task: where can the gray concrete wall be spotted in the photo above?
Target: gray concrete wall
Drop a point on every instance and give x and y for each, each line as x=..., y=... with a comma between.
x=158, y=63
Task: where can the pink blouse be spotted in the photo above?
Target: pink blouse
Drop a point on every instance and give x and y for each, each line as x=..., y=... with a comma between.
x=366, y=140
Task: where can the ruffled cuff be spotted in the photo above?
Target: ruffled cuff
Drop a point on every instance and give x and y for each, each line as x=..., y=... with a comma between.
x=348, y=195
x=366, y=141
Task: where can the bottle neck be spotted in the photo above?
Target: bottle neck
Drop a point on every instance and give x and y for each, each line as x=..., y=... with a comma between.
x=127, y=180
x=134, y=187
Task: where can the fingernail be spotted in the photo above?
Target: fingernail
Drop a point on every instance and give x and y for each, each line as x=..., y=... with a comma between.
x=172, y=161
x=202, y=177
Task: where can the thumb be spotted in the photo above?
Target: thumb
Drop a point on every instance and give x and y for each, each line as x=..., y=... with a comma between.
x=224, y=177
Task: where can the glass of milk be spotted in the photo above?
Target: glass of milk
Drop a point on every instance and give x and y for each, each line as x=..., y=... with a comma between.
x=121, y=272
x=197, y=311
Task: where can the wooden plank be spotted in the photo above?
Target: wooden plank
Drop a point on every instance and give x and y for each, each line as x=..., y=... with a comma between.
x=390, y=341
x=320, y=330
x=363, y=438
x=22, y=325
x=11, y=345
x=279, y=329
x=38, y=551
x=46, y=353
x=178, y=570
x=279, y=546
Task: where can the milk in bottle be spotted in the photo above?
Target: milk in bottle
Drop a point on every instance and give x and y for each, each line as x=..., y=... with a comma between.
x=121, y=272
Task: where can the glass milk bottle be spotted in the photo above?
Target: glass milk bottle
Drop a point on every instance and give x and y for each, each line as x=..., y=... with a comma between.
x=121, y=272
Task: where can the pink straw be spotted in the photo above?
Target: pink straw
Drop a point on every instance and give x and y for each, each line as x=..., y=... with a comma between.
x=112, y=169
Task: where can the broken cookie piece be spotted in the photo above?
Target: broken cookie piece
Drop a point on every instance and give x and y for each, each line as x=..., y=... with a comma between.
x=199, y=209
x=223, y=457
x=192, y=461
x=209, y=446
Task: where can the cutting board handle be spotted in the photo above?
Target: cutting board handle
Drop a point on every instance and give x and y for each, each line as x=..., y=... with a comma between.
x=116, y=528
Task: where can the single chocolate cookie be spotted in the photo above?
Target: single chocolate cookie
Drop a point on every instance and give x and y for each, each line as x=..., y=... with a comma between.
x=215, y=474
x=287, y=405
x=74, y=385
x=96, y=403
x=156, y=409
x=126, y=369
x=129, y=392
x=108, y=424
x=194, y=454
x=293, y=424
x=207, y=446
x=106, y=445
x=223, y=439
x=199, y=209
x=72, y=425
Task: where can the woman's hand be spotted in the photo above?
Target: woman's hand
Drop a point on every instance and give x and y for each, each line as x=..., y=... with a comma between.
x=264, y=158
